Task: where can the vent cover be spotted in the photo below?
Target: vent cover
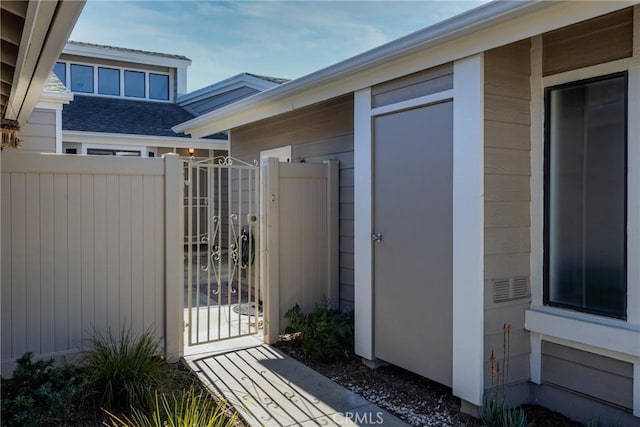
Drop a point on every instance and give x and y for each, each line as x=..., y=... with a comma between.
x=510, y=289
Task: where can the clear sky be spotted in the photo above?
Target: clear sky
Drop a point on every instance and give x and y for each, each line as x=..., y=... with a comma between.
x=275, y=38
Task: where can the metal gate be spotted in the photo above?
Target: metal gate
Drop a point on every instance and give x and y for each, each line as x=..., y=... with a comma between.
x=220, y=271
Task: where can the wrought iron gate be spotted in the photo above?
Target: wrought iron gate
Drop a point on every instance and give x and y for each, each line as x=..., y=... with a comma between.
x=221, y=229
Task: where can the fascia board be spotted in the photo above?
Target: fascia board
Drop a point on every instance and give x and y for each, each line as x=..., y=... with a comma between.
x=119, y=55
x=480, y=29
x=56, y=97
x=235, y=82
x=59, y=29
x=37, y=21
x=137, y=140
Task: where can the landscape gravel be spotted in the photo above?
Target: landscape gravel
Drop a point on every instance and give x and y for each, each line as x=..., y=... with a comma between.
x=412, y=398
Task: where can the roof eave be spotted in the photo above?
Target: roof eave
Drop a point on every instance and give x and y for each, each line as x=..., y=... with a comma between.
x=46, y=31
x=498, y=19
x=439, y=33
x=124, y=55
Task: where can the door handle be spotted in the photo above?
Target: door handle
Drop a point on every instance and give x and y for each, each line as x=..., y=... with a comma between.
x=376, y=237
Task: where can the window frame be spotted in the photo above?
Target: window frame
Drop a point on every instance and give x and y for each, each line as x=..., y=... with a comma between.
x=168, y=86
x=93, y=79
x=98, y=80
x=546, y=194
x=121, y=71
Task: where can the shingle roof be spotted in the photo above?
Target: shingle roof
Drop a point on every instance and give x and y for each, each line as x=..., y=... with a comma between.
x=124, y=49
x=277, y=80
x=54, y=84
x=113, y=115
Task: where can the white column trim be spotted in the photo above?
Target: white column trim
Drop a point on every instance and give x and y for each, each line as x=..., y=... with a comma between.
x=535, y=359
x=363, y=224
x=468, y=229
x=59, y=129
x=633, y=180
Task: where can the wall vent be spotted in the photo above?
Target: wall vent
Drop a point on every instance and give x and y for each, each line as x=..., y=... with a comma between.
x=510, y=289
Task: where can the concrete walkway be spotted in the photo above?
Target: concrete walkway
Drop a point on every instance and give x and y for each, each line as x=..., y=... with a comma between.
x=268, y=388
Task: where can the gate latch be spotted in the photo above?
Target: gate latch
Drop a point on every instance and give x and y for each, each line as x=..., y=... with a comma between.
x=376, y=237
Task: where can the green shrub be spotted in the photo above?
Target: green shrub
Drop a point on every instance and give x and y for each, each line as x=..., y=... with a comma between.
x=188, y=409
x=124, y=371
x=327, y=334
x=296, y=319
x=39, y=393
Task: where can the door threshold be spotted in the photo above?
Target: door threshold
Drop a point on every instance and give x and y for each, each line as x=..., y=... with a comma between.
x=223, y=346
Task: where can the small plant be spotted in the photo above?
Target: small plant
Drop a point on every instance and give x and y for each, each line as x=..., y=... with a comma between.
x=327, y=334
x=39, y=393
x=123, y=371
x=190, y=409
x=494, y=411
x=296, y=319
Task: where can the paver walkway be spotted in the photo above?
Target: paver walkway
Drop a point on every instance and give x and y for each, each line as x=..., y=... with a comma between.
x=269, y=388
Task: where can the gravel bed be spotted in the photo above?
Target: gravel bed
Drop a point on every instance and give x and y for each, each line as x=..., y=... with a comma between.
x=416, y=400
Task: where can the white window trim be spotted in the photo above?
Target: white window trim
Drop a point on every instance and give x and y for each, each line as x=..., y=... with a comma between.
x=618, y=339
x=468, y=222
x=283, y=154
x=121, y=70
x=86, y=147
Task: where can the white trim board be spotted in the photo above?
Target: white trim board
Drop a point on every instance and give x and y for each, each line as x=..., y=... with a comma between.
x=104, y=138
x=115, y=54
x=468, y=229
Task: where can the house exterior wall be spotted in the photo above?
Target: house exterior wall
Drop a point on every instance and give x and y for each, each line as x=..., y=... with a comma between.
x=603, y=39
x=83, y=251
x=572, y=377
x=318, y=133
x=39, y=133
x=507, y=204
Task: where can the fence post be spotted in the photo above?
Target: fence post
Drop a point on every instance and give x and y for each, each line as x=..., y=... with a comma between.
x=333, y=235
x=270, y=248
x=174, y=277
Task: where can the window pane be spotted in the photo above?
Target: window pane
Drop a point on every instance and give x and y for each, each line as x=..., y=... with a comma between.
x=60, y=70
x=81, y=78
x=134, y=84
x=108, y=81
x=158, y=86
x=586, y=196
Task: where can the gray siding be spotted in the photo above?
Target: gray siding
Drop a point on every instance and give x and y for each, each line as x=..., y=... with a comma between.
x=597, y=376
x=213, y=103
x=591, y=42
x=321, y=132
x=39, y=133
x=414, y=85
x=507, y=196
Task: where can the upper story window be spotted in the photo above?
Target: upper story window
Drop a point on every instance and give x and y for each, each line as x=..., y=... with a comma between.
x=81, y=78
x=158, y=86
x=585, y=196
x=134, y=84
x=114, y=81
x=108, y=81
x=60, y=70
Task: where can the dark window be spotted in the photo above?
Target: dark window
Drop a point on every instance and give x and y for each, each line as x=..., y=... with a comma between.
x=71, y=151
x=134, y=84
x=158, y=86
x=585, y=196
x=81, y=78
x=108, y=81
x=60, y=70
x=107, y=152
